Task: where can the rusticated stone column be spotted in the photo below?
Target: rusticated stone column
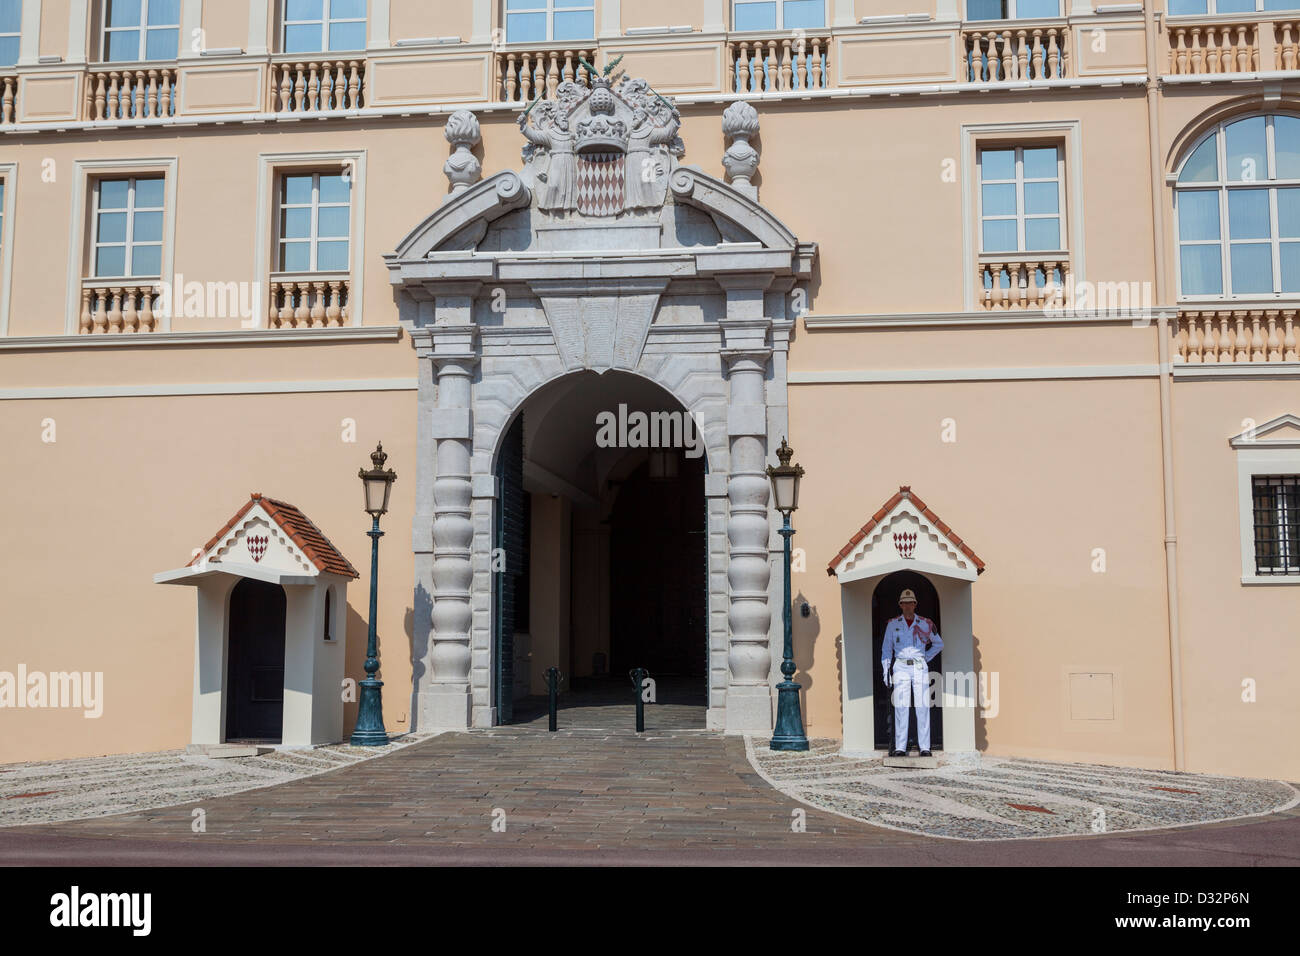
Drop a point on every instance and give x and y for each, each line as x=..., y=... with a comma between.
x=746, y=352
x=446, y=705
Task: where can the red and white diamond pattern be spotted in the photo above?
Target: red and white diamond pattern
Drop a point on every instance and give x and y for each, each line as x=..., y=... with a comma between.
x=257, y=545
x=601, y=183
x=905, y=542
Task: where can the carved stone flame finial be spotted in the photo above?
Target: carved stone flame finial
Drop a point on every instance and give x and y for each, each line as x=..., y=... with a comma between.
x=740, y=124
x=463, y=167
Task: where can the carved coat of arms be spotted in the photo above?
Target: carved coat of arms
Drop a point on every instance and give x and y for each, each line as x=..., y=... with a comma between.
x=602, y=150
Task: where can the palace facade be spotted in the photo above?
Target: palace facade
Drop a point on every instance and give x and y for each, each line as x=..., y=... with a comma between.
x=1017, y=279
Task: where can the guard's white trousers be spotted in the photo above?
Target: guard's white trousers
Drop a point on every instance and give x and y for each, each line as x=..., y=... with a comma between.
x=911, y=681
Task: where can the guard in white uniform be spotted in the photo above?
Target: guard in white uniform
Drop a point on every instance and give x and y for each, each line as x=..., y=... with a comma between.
x=910, y=643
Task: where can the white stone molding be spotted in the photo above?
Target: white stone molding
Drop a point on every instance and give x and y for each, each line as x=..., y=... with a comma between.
x=378, y=33
x=259, y=27
x=9, y=176
x=29, y=40
x=191, y=20
x=1272, y=448
x=78, y=31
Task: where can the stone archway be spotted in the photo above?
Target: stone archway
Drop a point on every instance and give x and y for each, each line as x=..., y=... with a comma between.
x=513, y=283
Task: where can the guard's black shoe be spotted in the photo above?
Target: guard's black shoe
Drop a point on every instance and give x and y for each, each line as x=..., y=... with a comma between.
x=926, y=753
x=897, y=753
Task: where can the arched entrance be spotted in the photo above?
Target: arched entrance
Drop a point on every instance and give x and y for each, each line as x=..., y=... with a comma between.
x=255, y=668
x=600, y=552
x=884, y=606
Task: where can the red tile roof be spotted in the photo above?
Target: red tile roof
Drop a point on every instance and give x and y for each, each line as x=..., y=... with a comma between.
x=904, y=491
x=309, y=538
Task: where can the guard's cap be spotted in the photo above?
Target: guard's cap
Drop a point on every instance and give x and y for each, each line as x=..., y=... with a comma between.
x=907, y=596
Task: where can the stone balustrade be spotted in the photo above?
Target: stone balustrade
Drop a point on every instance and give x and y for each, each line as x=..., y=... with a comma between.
x=116, y=306
x=1002, y=282
x=778, y=64
x=147, y=92
x=524, y=75
x=318, y=86
x=1002, y=54
x=8, y=99
x=1219, y=336
x=1202, y=48
x=1286, y=36
x=309, y=301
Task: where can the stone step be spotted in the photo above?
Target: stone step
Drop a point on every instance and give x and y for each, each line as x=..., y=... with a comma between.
x=221, y=751
x=911, y=763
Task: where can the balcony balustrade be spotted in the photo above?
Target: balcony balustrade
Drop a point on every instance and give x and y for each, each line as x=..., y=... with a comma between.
x=116, y=306
x=523, y=75
x=123, y=94
x=318, y=86
x=1004, y=282
x=8, y=99
x=1010, y=52
x=309, y=301
x=1220, y=336
x=778, y=64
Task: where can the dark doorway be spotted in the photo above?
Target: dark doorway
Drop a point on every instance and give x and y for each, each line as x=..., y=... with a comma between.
x=884, y=606
x=513, y=518
x=255, y=663
x=658, y=574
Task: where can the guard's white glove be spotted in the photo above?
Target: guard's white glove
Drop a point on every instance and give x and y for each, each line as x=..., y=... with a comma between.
x=889, y=680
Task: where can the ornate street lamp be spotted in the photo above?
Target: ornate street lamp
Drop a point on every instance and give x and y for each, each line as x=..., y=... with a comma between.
x=789, y=733
x=378, y=483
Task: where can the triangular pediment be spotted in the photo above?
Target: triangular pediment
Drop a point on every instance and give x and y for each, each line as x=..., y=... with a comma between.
x=1280, y=432
x=275, y=537
x=905, y=533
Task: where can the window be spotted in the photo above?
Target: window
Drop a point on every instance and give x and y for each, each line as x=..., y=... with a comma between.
x=779, y=14
x=329, y=599
x=1237, y=203
x=1182, y=8
x=1021, y=197
x=141, y=30
x=1276, y=509
x=128, y=227
x=314, y=26
x=11, y=24
x=1012, y=9
x=543, y=21
x=314, y=213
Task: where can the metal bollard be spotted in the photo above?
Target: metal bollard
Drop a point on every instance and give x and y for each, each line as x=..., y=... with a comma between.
x=638, y=675
x=553, y=691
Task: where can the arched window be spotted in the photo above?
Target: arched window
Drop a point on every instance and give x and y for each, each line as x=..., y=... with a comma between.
x=329, y=600
x=1237, y=203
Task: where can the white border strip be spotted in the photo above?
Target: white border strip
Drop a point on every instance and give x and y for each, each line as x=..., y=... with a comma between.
x=211, y=388
x=874, y=375
x=1219, y=372
x=257, y=337
x=8, y=173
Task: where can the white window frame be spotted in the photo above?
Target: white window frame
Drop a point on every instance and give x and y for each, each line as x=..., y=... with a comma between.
x=1258, y=454
x=19, y=34
x=129, y=242
x=9, y=177
x=1019, y=181
x=142, y=29
x=270, y=166
x=1221, y=186
x=550, y=10
x=780, y=15
x=1212, y=11
x=315, y=206
x=325, y=22
x=1013, y=14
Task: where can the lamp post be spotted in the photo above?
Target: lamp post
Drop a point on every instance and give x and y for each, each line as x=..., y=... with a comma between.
x=377, y=482
x=789, y=733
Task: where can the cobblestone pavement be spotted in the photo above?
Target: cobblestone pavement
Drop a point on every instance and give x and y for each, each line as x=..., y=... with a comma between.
x=57, y=790
x=1010, y=799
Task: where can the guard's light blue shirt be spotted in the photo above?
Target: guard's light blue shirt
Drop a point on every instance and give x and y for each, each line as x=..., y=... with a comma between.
x=916, y=641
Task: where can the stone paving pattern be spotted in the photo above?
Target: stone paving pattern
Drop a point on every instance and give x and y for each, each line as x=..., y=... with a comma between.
x=1009, y=799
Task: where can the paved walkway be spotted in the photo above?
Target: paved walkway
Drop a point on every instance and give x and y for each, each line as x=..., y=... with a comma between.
x=514, y=795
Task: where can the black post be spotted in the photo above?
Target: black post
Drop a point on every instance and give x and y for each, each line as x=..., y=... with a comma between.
x=553, y=689
x=638, y=675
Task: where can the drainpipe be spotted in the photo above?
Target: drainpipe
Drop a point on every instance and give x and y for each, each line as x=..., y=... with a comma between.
x=1166, y=377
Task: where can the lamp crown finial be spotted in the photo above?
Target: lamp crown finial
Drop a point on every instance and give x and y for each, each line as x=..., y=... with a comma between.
x=784, y=454
x=378, y=457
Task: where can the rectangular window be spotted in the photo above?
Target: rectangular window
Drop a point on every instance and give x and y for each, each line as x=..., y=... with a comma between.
x=1188, y=8
x=317, y=26
x=128, y=226
x=136, y=30
x=314, y=213
x=1276, y=504
x=1021, y=198
x=778, y=14
x=547, y=21
x=11, y=24
x=1012, y=9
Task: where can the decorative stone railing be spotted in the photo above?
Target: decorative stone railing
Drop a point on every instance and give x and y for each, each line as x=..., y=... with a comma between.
x=130, y=93
x=116, y=305
x=1221, y=336
x=1213, y=47
x=317, y=86
x=778, y=64
x=1016, y=50
x=1004, y=282
x=1286, y=35
x=309, y=301
x=8, y=99
x=523, y=75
